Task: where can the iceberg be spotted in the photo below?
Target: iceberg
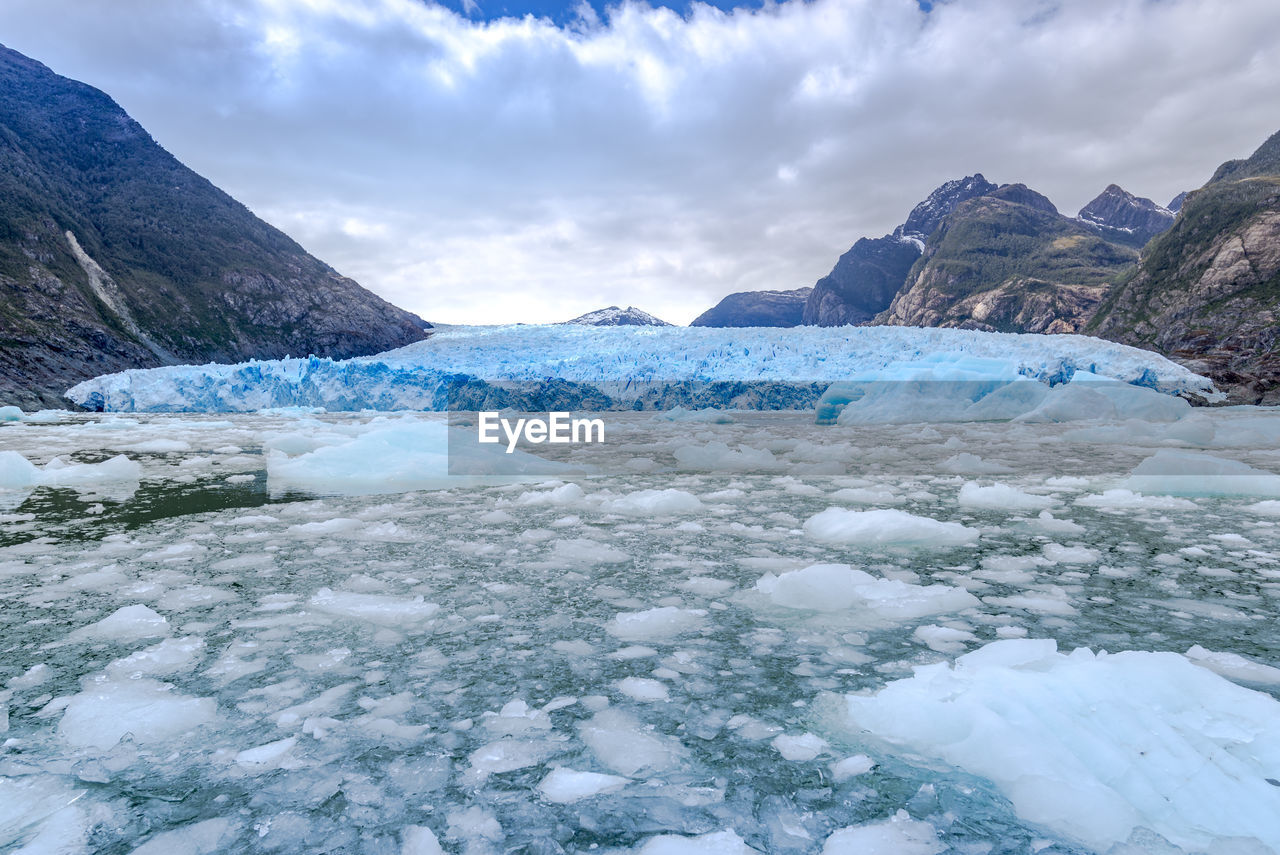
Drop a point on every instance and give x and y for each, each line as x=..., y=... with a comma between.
x=568, y=367
x=1093, y=746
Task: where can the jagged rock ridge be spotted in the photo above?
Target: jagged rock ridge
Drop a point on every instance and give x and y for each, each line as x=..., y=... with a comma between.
x=114, y=255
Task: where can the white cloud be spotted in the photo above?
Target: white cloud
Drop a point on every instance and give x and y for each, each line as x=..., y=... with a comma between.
x=513, y=170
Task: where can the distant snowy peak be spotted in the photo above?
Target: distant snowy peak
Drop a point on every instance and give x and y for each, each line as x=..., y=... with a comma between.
x=1122, y=216
x=615, y=317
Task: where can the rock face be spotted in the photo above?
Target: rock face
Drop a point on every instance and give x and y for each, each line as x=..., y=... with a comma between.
x=615, y=317
x=114, y=255
x=1207, y=291
x=756, y=309
x=1122, y=217
x=1007, y=261
x=864, y=282
x=868, y=276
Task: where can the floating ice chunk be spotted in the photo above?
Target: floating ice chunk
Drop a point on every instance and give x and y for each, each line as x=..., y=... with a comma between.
x=643, y=689
x=109, y=707
x=851, y=767
x=897, y=835
x=374, y=608
x=474, y=824
x=1060, y=554
x=16, y=472
x=264, y=758
x=654, y=503
x=584, y=552
x=399, y=456
x=199, y=838
x=130, y=623
x=1047, y=522
x=1123, y=499
x=718, y=457
x=1235, y=667
x=168, y=657
x=120, y=468
x=506, y=755
x=1188, y=473
x=966, y=463
x=10, y=414
x=657, y=624
x=717, y=843
x=943, y=639
x=565, y=494
x=33, y=676
x=193, y=597
x=1000, y=496
x=1268, y=508
x=621, y=743
x=1093, y=746
x=886, y=527
x=839, y=587
x=866, y=496
x=563, y=786
x=419, y=840
x=799, y=749
x=707, y=586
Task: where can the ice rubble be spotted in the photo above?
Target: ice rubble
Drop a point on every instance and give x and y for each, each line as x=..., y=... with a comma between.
x=654, y=366
x=1093, y=746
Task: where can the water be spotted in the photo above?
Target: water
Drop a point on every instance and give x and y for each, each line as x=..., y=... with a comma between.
x=398, y=715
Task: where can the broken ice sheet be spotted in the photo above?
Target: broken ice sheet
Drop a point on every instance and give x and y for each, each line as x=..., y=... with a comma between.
x=601, y=661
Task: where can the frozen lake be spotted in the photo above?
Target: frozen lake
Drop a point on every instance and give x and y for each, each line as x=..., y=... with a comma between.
x=714, y=643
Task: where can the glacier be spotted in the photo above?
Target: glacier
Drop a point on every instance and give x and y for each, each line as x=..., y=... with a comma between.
x=569, y=367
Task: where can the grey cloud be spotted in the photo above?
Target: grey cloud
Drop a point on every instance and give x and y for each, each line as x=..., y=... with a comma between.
x=516, y=171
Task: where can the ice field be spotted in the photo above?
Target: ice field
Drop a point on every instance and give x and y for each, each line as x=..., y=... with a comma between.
x=625, y=367
x=734, y=633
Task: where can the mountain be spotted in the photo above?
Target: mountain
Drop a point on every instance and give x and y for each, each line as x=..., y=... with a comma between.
x=867, y=277
x=1122, y=217
x=756, y=309
x=1207, y=291
x=1008, y=261
x=114, y=255
x=615, y=317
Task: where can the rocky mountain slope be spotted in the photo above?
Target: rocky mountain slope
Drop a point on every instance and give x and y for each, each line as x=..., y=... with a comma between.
x=114, y=255
x=867, y=277
x=1008, y=261
x=615, y=317
x=1207, y=291
x=756, y=309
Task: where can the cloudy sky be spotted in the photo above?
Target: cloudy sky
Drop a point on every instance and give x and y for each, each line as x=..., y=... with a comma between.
x=479, y=168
